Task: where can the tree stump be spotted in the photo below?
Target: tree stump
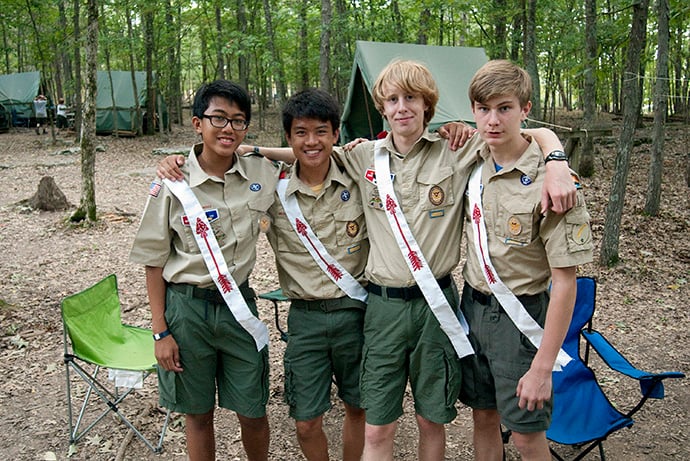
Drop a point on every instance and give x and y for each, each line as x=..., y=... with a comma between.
x=48, y=197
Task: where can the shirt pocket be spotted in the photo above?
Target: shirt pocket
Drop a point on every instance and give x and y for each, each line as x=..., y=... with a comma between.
x=436, y=188
x=513, y=223
x=286, y=238
x=257, y=209
x=350, y=229
x=578, y=232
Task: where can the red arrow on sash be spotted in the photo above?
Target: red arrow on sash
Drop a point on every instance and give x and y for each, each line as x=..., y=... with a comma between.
x=415, y=260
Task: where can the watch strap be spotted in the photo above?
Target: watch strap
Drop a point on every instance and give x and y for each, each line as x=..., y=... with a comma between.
x=161, y=335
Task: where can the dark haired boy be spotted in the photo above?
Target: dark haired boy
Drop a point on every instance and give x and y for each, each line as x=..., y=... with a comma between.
x=208, y=338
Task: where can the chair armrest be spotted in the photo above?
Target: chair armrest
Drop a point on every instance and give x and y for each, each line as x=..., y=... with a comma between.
x=650, y=383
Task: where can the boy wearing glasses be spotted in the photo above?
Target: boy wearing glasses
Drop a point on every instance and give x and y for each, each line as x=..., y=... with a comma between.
x=203, y=347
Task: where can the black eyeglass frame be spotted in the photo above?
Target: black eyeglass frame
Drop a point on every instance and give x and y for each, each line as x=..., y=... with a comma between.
x=234, y=122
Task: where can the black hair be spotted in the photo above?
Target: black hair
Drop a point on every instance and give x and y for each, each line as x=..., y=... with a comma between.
x=225, y=89
x=311, y=103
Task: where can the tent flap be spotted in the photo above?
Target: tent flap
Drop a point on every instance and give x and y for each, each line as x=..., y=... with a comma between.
x=452, y=67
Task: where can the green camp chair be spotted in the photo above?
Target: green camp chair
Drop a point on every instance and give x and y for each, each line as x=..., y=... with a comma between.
x=95, y=338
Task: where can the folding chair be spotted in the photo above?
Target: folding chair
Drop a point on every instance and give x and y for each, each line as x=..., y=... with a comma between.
x=582, y=414
x=95, y=338
x=276, y=296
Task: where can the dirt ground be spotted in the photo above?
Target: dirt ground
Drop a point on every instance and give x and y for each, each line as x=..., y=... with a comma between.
x=642, y=302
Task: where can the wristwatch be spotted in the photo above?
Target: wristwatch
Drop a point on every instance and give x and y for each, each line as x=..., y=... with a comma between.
x=161, y=335
x=558, y=155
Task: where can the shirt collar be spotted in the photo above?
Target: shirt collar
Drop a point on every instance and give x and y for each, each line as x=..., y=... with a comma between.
x=334, y=175
x=197, y=175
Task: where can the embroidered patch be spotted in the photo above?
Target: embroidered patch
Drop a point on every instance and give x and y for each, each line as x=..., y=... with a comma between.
x=255, y=187
x=437, y=213
x=436, y=195
x=352, y=228
x=375, y=200
x=576, y=181
x=155, y=189
x=345, y=195
x=582, y=234
x=211, y=215
x=370, y=175
x=514, y=225
x=264, y=223
x=354, y=249
x=525, y=180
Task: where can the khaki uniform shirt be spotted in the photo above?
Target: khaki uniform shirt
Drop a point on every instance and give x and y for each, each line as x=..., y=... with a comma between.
x=336, y=217
x=234, y=204
x=523, y=244
x=429, y=183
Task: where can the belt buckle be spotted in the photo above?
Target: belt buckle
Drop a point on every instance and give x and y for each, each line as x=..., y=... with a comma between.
x=409, y=293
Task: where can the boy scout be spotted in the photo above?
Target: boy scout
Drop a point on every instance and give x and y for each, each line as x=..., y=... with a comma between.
x=414, y=227
x=327, y=309
x=199, y=341
x=511, y=244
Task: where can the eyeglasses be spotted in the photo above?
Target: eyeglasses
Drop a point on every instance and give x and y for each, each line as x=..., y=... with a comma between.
x=219, y=121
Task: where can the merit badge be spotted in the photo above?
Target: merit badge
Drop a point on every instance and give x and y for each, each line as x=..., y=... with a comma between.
x=582, y=234
x=345, y=195
x=352, y=228
x=436, y=195
x=264, y=223
x=375, y=200
x=525, y=180
x=255, y=187
x=514, y=225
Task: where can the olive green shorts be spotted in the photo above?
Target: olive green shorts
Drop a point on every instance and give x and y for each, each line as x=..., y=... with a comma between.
x=404, y=341
x=217, y=354
x=322, y=347
x=502, y=356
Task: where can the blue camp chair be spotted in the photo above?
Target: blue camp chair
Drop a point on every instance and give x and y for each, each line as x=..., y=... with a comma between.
x=582, y=414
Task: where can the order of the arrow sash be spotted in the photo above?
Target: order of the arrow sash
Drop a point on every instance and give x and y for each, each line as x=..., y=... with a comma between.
x=317, y=250
x=450, y=321
x=215, y=262
x=510, y=303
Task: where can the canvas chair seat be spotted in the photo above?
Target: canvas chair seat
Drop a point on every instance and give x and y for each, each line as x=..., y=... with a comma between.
x=95, y=338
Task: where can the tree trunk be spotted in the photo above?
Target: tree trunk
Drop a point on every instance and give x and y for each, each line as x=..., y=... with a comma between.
x=651, y=206
x=585, y=166
x=424, y=21
x=325, y=46
x=303, y=45
x=530, y=56
x=151, y=115
x=135, y=90
x=500, y=33
x=614, y=209
x=242, y=61
x=87, y=205
x=220, y=60
x=77, y=66
x=275, y=53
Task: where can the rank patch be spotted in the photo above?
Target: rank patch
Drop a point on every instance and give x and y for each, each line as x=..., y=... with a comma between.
x=264, y=223
x=436, y=195
x=352, y=228
x=514, y=225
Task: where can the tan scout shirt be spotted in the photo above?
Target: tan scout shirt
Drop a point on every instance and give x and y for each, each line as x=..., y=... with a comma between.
x=336, y=217
x=523, y=244
x=233, y=206
x=429, y=183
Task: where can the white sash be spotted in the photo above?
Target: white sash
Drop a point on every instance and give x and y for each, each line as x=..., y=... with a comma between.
x=454, y=325
x=510, y=303
x=215, y=262
x=317, y=250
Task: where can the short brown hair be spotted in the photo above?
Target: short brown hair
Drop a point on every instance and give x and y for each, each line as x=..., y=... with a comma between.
x=500, y=77
x=412, y=77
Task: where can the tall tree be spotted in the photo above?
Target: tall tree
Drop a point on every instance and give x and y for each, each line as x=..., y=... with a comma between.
x=530, y=57
x=631, y=94
x=585, y=165
x=87, y=205
x=220, y=59
x=77, y=65
x=275, y=53
x=651, y=206
x=303, y=44
x=132, y=70
x=149, y=44
x=325, y=46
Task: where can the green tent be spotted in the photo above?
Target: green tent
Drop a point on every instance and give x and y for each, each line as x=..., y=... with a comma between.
x=452, y=67
x=17, y=93
x=115, y=103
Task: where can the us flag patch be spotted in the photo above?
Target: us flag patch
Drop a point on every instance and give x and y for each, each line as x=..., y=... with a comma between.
x=155, y=189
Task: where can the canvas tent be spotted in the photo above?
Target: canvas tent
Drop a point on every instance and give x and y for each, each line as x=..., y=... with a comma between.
x=17, y=93
x=115, y=103
x=452, y=67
